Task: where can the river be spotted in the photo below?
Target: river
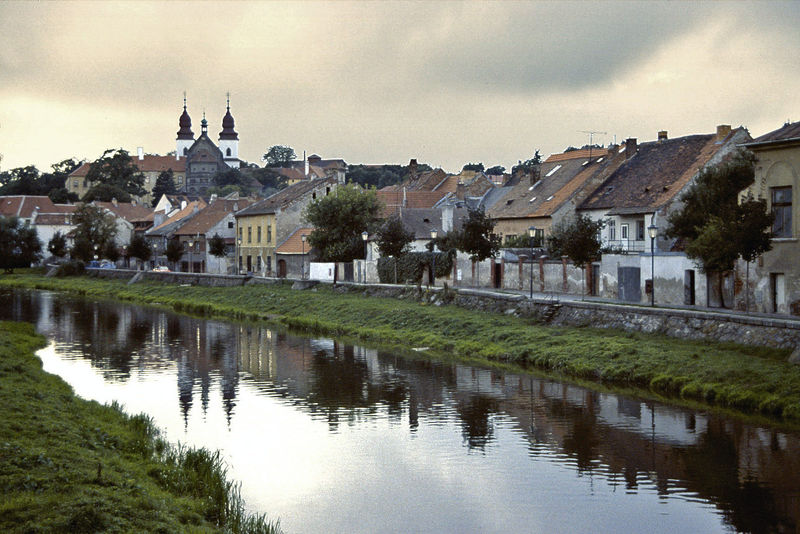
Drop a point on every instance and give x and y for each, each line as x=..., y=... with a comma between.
x=331, y=437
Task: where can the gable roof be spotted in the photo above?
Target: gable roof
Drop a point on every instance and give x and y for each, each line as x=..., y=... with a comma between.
x=294, y=243
x=424, y=181
x=126, y=210
x=191, y=209
x=210, y=215
x=789, y=133
x=23, y=206
x=285, y=197
x=396, y=201
x=655, y=174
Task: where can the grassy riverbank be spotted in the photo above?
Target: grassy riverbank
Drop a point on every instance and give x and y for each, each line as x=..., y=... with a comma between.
x=70, y=465
x=747, y=379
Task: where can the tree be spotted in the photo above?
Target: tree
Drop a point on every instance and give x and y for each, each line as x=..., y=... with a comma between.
x=62, y=195
x=393, y=238
x=716, y=226
x=19, y=244
x=577, y=238
x=116, y=171
x=477, y=167
x=138, y=248
x=497, y=169
x=477, y=237
x=165, y=185
x=278, y=155
x=94, y=228
x=270, y=180
x=57, y=245
x=173, y=251
x=528, y=165
x=338, y=221
x=383, y=175
x=216, y=246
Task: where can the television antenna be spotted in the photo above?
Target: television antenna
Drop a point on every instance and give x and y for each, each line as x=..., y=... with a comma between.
x=591, y=134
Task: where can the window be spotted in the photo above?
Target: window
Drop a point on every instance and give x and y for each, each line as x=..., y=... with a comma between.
x=612, y=230
x=75, y=183
x=240, y=235
x=782, y=210
x=240, y=263
x=258, y=235
x=640, y=230
x=228, y=152
x=249, y=234
x=269, y=233
x=623, y=232
x=258, y=259
x=269, y=264
x=230, y=224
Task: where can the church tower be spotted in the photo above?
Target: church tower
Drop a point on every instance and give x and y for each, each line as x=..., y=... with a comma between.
x=185, y=137
x=229, y=139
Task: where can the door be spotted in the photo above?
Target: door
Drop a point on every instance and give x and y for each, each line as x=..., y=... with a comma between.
x=497, y=275
x=281, y=268
x=594, y=285
x=623, y=235
x=629, y=284
x=777, y=290
x=688, y=287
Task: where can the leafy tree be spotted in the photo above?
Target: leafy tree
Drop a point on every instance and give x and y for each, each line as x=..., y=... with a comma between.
x=716, y=226
x=577, y=238
x=270, y=180
x=62, y=195
x=338, y=221
x=216, y=246
x=110, y=251
x=94, y=228
x=138, y=248
x=278, y=155
x=174, y=251
x=57, y=245
x=477, y=237
x=165, y=185
x=497, y=169
x=20, y=181
x=380, y=176
x=393, y=238
x=116, y=171
x=228, y=177
x=19, y=244
x=477, y=167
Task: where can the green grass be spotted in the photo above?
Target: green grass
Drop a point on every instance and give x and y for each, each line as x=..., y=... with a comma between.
x=70, y=465
x=750, y=380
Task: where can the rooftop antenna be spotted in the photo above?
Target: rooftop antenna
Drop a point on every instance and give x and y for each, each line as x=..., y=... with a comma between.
x=591, y=138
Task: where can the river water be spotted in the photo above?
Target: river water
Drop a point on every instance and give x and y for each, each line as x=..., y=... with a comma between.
x=331, y=437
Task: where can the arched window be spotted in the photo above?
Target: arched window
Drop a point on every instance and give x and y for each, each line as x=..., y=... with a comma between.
x=228, y=152
x=185, y=151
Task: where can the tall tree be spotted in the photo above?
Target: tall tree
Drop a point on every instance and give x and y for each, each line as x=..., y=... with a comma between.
x=719, y=228
x=477, y=167
x=114, y=175
x=138, y=248
x=165, y=185
x=497, y=169
x=528, y=165
x=173, y=252
x=94, y=229
x=279, y=155
x=338, y=221
x=393, y=238
x=216, y=246
x=19, y=244
x=477, y=237
x=577, y=238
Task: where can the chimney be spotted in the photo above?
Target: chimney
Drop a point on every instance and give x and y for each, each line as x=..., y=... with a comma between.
x=183, y=204
x=405, y=198
x=412, y=169
x=662, y=135
x=630, y=147
x=305, y=164
x=213, y=198
x=612, y=150
x=447, y=218
x=114, y=201
x=140, y=151
x=723, y=131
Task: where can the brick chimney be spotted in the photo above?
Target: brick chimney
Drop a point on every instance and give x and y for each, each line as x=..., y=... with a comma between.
x=412, y=169
x=723, y=131
x=140, y=152
x=662, y=135
x=630, y=147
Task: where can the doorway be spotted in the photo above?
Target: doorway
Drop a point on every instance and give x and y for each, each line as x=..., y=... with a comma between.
x=777, y=291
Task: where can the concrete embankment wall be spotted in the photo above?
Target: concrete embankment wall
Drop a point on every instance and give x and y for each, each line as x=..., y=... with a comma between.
x=679, y=323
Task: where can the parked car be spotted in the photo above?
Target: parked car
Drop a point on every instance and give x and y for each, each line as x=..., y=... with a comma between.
x=107, y=264
x=161, y=269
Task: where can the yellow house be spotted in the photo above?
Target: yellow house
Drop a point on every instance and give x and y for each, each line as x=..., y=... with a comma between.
x=149, y=165
x=261, y=227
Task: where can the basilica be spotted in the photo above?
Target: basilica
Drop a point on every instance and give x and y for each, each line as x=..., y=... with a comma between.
x=201, y=157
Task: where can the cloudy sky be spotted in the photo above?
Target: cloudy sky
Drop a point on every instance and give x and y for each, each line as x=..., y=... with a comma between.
x=382, y=82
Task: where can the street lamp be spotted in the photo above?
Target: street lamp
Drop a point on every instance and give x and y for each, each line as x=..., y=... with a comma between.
x=303, y=257
x=239, y=255
x=652, y=231
x=96, y=247
x=191, y=266
x=433, y=254
x=125, y=254
x=365, y=236
x=531, y=241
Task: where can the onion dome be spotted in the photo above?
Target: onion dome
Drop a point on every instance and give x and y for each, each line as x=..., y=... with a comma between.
x=185, y=123
x=204, y=124
x=228, y=133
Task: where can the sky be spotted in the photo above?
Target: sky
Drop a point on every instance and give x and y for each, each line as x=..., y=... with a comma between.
x=446, y=83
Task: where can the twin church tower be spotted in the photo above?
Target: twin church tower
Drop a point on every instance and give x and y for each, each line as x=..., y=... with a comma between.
x=203, y=158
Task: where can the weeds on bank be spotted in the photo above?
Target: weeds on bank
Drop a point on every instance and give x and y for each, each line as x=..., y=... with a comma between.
x=747, y=379
x=70, y=465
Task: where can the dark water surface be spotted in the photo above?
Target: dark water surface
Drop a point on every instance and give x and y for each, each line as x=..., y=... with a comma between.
x=335, y=438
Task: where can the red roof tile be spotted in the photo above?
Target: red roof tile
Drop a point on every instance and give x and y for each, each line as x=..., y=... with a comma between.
x=294, y=243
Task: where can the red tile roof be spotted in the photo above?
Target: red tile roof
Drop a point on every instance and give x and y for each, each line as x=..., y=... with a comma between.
x=24, y=205
x=149, y=163
x=211, y=215
x=127, y=210
x=393, y=201
x=294, y=243
x=577, y=154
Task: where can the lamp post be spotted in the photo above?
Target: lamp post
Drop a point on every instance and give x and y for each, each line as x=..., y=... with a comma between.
x=155, y=254
x=532, y=240
x=125, y=254
x=394, y=262
x=434, y=233
x=303, y=257
x=96, y=247
x=652, y=231
x=191, y=266
x=365, y=236
x=238, y=259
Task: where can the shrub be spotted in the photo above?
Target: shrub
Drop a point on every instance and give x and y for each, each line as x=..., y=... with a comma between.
x=71, y=268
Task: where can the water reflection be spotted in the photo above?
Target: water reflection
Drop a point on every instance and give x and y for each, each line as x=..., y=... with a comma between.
x=749, y=475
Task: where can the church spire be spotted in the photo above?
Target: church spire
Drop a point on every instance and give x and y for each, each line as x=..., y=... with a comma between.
x=204, y=124
x=185, y=123
x=228, y=133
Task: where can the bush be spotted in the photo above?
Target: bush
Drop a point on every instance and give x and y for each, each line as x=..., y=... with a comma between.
x=412, y=266
x=71, y=268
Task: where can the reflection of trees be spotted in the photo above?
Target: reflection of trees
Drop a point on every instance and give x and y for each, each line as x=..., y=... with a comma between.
x=476, y=420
